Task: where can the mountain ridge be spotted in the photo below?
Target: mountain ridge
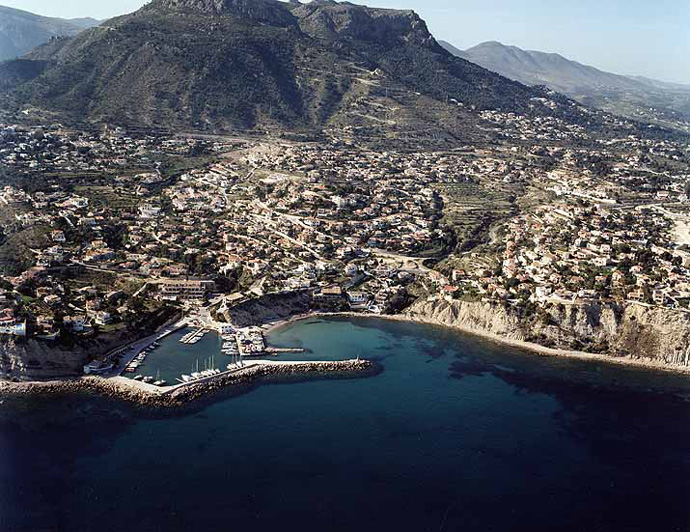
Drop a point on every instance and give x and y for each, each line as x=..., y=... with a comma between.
x=20, y=30
x=630, y=96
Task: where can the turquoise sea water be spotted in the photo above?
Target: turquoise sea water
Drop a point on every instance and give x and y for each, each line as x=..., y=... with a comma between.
x=455, y=433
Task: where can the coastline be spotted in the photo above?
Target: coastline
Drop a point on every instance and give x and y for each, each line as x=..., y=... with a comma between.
x=537, y=349
x=121, y=388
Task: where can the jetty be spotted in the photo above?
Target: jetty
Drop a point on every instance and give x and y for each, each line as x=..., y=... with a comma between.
x=278, y=350
x=148, y=394
x=194, y=336
x=256, y=369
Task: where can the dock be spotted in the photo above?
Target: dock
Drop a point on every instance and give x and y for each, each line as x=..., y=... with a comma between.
x=278, y=350
x=194, y=336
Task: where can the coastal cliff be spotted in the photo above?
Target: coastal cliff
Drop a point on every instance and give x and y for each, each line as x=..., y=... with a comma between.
x=29, y=359
x=627, y=331
x=270, y=308
x=32, y=359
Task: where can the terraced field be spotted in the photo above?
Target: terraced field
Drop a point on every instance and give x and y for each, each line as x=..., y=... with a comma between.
x=471, y=209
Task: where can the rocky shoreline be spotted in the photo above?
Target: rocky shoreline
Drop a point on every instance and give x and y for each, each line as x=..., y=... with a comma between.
x=627, y=334
x=416, y=314
x=179, y=396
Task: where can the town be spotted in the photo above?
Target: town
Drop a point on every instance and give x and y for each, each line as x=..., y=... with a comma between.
x=109, y=232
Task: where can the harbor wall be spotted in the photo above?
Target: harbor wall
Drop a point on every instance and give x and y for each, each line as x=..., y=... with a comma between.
x=178, y=396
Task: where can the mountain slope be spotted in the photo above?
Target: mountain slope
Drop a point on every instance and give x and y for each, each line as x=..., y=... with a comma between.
x=20, y=31
x=635, y=97
x=264, y=64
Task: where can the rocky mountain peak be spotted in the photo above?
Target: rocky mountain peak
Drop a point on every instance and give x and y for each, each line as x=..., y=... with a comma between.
x=264, y=11
x=330, y=19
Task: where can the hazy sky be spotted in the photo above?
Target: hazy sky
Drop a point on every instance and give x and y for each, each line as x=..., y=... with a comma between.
x=641, y=37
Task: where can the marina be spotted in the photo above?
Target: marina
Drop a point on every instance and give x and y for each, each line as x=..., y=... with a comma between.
x=200, y=351
x=177, y=355
x=210, y=370
x=140, y=358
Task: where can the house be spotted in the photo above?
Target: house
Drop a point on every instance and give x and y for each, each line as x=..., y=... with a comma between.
x=147, y=212
x=52, y=300
x=103, y=318
x=75, y=323
x=358, y=299
x=97, y=367
x=351, y=270
x=225, y=328
x=46, y=323
x=329, y=296
x=9, y=324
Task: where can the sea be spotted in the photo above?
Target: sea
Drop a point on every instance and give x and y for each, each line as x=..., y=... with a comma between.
x=454, y=433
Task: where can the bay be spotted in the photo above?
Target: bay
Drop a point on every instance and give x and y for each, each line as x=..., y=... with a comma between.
x=455, y=433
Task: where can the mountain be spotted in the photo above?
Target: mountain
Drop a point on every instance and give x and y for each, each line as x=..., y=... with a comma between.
x=457, y=52
x=634, y=97
x=268, y=65
x=20, y=31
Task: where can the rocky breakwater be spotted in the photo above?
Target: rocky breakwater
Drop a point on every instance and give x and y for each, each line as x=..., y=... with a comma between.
x=113, y=388
x=626, y=332
x=273, y=372
x=178, y=396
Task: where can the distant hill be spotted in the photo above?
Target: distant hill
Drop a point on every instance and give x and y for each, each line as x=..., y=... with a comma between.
x=20, y=31
x=634, y=97
x=263, y=64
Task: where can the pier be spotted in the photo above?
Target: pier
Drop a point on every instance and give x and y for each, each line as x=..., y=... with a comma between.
x=194, y=336
x=278, y=350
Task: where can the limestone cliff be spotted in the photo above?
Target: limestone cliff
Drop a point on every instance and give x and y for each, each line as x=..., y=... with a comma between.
x=33, y=359
x=269, y=308
x=629, y=330
x=29, y=359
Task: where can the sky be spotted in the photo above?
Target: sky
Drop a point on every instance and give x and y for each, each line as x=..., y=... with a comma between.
x=635, y=37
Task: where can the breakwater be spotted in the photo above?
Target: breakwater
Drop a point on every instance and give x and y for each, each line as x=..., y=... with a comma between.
x=177, y=396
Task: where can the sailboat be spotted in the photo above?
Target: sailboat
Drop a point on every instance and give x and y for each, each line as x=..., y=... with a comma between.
x=196, y=374
x=159, y=382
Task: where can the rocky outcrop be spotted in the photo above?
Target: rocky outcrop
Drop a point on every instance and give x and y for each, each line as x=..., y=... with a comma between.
x=330, y=20
x=30, y=359
x=264, y=11
x=33, y=359
x=631, y=331
x=270, y=308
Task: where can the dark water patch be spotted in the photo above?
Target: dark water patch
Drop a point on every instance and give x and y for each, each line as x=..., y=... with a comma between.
x=469, y=367
x=517, y=442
